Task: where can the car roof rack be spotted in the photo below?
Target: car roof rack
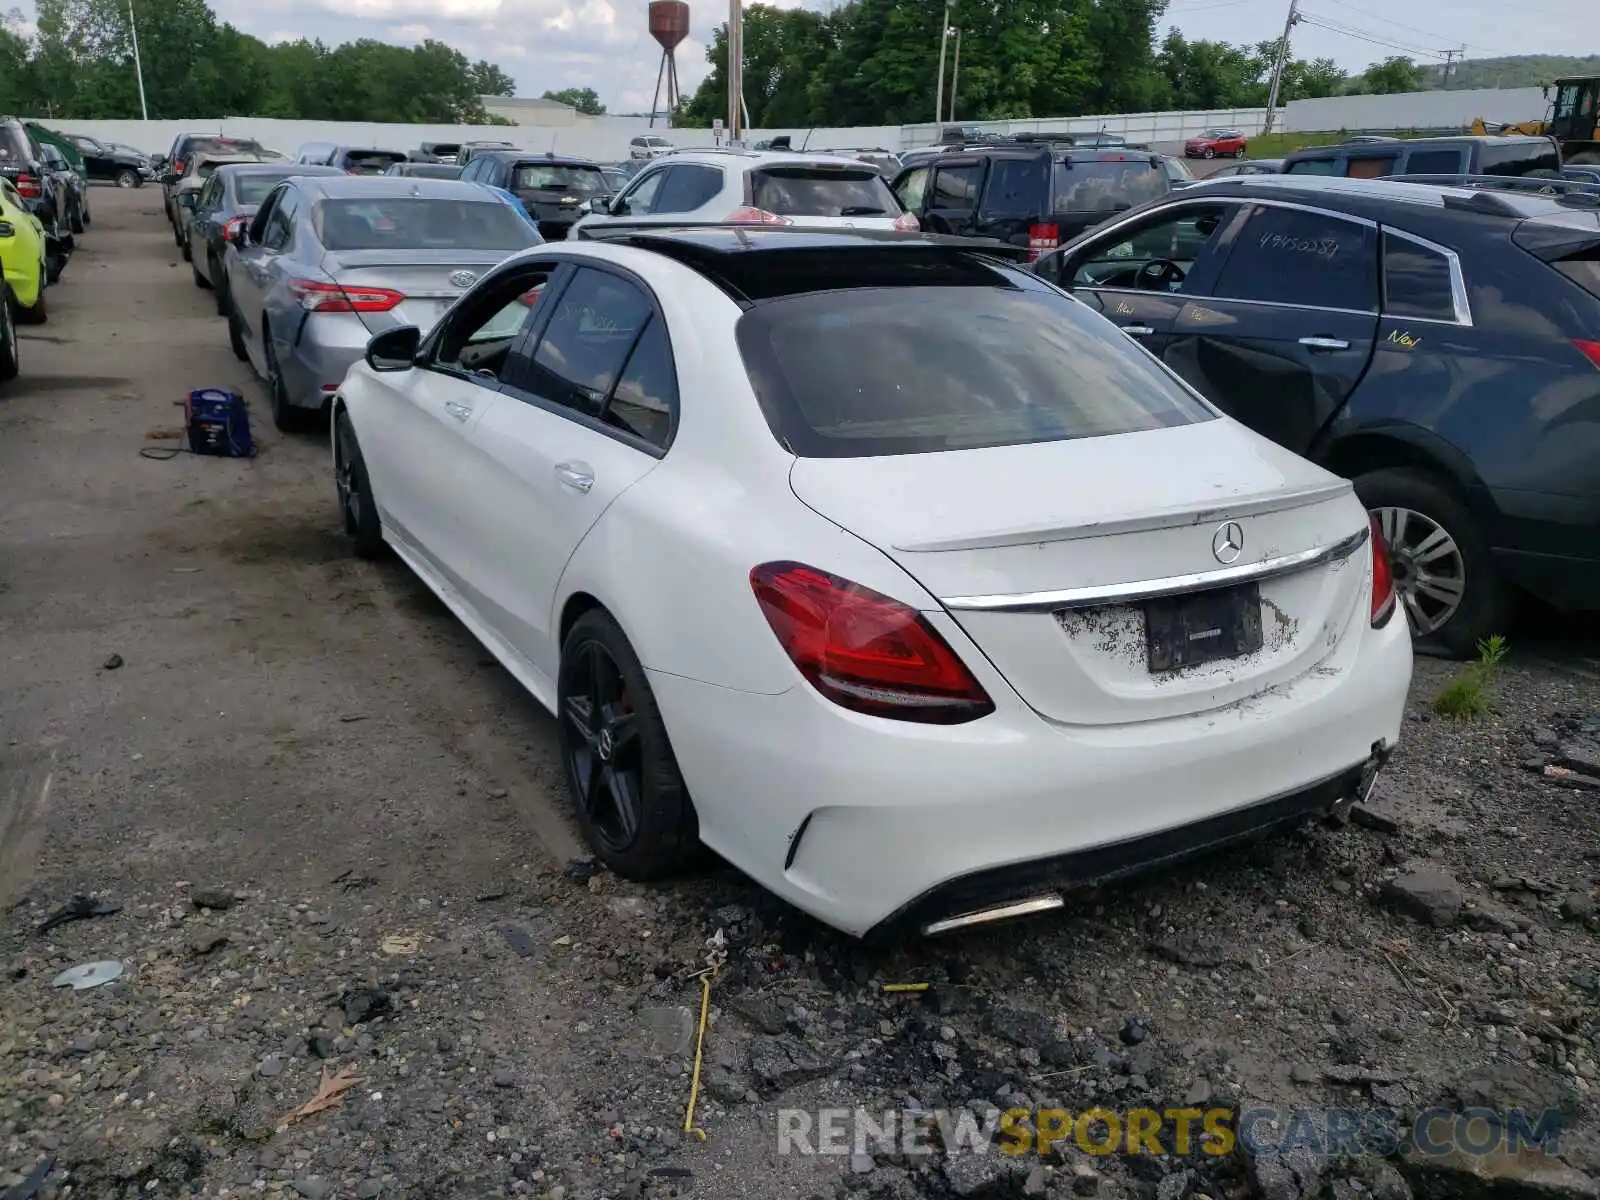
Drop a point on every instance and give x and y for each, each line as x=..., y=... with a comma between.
x=1575, y=192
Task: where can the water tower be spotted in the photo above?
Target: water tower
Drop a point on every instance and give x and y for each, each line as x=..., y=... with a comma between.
x=669, y=25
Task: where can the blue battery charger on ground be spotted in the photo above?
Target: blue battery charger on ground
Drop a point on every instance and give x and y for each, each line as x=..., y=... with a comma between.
x=218, y=423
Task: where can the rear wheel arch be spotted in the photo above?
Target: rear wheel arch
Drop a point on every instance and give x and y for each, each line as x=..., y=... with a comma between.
x=576, y=605
x=1361, y=453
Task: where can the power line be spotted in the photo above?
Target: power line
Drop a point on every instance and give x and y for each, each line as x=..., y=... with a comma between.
x=1368, y=36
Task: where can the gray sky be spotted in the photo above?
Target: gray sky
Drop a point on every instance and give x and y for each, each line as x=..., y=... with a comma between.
x=603, y=44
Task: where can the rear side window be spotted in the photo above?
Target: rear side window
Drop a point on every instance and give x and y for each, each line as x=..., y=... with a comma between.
x=647, y=391
x=1518, y=158
x=686, y=188
x=1583, y=269
x=957, y=187
x=822, y=191
x=584, y=347
x=1289, y=256
x=914, y=370
x=1416, y=281
x=1436, y=162
x=1016, y=188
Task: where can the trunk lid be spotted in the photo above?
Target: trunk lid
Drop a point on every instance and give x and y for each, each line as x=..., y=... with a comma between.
x=1096, y=514
x=430, y=280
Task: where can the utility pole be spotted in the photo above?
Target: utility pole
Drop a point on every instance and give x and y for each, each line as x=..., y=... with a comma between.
x=138, y=69
x=955, y=76
x=938, y=92
x=735, y=71
x=1278, y=65
x=1450, y=57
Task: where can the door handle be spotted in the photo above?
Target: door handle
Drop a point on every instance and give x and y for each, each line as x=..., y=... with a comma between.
x=459, y=411
x=1325, y=343
x=1137, y=330
x=575, y=475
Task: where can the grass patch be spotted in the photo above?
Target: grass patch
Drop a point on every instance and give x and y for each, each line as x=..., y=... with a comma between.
x=1470, y=694
x=1278, y=145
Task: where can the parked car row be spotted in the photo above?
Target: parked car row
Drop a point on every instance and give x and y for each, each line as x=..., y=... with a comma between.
x=44, y=208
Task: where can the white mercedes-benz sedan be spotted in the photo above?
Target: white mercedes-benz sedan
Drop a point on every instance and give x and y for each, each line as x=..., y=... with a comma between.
x=902, y=580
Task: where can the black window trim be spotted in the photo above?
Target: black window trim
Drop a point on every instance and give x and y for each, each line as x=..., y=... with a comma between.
x=1458, y=282
x=1191, y=201
x=528, y=345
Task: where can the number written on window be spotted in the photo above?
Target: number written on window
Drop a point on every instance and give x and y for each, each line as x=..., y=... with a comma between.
x=1287, y=256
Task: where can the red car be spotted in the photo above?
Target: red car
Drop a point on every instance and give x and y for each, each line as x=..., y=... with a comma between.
x=1217, y=143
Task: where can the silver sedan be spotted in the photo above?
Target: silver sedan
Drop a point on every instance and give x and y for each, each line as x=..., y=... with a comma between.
x=329, y=261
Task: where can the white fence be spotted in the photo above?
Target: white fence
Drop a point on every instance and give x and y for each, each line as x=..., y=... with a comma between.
x=606, y=138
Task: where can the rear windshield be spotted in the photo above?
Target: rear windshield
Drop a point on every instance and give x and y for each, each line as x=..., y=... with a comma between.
x=819, y=191
x=1518, y=158
x=444, y=149
x=1583, y=269
x=579, y=180
x=220, y=145
x=427, y=170
x=369, y=162
x=1106, y=186
x=916, y=370
x=253, y=188
x=413, y=223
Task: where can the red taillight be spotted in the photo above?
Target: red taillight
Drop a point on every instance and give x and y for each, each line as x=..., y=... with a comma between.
x=177, y=167
x=1383, y=604
x=315, y=296
x=28, y=187
x=232, y=227
x=1042, y=239
x=531, y=297
x=756, y=216
x=865, y=651
x=908, y=223
x=1591, y=350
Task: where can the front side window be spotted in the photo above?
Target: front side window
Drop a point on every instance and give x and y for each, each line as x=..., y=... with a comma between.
x=914, y=370
x=478, y=337
x=1291, y=256
x=420, y=223
x=687, y=188
x=913, y=188
x=957, y=187
x=1416, y=281
x=641, y=200
x=583, y=349
x=1156, y=255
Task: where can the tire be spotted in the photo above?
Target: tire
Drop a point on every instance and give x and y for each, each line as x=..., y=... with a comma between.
x=128, y=178
x=285, y=416
x=1239, y=153
x=10, y=350
x=1208, y=152
x=356, y=504
x=178, y=238
x=219, y=287
x=183, y=249
x=88, y=218
x=38, y=314
x=623, y=761
x=236, y=337
x=200, y=281
x=75, y=217
x=1430, y=504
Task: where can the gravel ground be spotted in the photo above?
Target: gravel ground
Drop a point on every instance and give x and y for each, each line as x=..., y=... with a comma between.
x=333, y=836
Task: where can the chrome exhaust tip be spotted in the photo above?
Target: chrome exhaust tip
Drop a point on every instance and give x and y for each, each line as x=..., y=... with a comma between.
x=999, y=912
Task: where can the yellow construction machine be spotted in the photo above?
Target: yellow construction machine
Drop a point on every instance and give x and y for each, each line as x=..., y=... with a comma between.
x=1570, y=121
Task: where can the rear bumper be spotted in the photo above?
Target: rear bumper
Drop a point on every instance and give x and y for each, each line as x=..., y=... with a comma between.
x=863, y=822
x=330, y=344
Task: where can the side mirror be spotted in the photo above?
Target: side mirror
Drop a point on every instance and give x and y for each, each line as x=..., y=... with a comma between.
x=394, y=349
x=599, y=205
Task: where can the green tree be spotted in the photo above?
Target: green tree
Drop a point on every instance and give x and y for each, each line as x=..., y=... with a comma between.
x=1397, y=74
x=490, y=80
x=583, y=99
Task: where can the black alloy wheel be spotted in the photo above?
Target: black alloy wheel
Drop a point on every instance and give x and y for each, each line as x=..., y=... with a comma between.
x=356, y=506
x=285, y=415
x=631, y=799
